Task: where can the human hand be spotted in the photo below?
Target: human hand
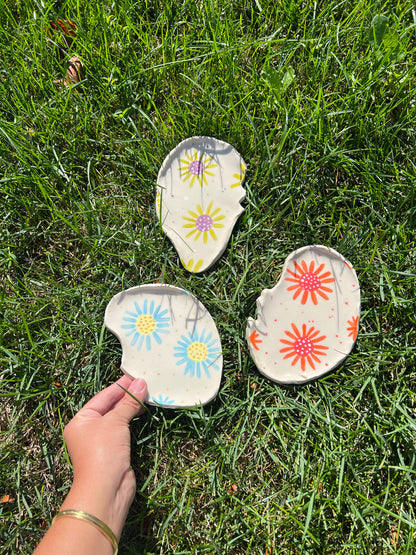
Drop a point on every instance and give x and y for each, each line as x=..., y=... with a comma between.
x=98, y=442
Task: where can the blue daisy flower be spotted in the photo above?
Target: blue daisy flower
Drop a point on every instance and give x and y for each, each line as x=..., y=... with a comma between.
x=163, y=400
x=146, y=323
x=198, y=353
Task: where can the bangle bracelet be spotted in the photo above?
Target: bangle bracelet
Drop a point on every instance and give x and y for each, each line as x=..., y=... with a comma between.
x=94, y=521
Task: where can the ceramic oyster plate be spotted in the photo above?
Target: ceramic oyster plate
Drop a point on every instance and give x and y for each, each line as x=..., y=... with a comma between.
x=170, y=340
x=198, y=199
x=308, y=323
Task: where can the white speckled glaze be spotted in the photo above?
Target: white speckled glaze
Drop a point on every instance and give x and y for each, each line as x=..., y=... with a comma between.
x=308, y=323
x=198, y=199
x=169, y=339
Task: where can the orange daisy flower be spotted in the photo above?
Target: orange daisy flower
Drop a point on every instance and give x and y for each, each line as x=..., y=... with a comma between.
x=310, y=282
x=353, y=328
x=254, y=339
x=304, y=346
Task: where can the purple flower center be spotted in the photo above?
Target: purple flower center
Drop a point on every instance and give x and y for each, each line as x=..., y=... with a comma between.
x=204, y=223
x=196, y=167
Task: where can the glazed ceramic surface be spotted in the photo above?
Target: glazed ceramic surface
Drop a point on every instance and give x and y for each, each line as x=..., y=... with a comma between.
x=308, y=323
x=198, y=199
x=169, y=339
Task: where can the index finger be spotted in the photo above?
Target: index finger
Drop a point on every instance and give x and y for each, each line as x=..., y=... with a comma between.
x=106, y=399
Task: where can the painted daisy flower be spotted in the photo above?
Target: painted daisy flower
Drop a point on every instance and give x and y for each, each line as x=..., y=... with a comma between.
x=254, y=339
x=239, y=176
x=145, y=324
x=198, y=353
x=193, y=265
x=163, y=400
x=304, y=346
x=309, y=281
x=203, y=223
x=196, y=167
x=353, y=327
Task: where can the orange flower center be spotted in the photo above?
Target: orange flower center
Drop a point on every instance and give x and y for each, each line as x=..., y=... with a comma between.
x=303, y=346
x=310, y=282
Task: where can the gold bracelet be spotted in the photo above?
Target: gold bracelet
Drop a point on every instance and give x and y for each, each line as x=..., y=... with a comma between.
x=94, y=521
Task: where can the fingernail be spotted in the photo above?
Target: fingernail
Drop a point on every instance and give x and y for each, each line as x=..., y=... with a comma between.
x=138, y=386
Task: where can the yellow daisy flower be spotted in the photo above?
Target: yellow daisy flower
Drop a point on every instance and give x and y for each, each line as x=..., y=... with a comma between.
x=203, y=223
x=239, y=176
x=191, y=267
x=196, y=167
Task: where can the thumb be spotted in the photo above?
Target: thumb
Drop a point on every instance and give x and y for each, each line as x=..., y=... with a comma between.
x=128, y=407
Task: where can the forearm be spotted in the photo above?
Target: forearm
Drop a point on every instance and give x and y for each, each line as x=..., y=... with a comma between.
x=98, y=442
x=71, y=536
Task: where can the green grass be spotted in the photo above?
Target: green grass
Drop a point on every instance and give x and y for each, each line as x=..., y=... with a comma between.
x=325, y=468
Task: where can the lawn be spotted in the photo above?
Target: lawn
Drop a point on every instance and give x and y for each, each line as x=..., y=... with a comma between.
x=319, y=99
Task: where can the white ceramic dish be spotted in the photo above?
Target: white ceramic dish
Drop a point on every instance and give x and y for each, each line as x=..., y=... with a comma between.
x=169, y=339
x=198, y=199
x=308, y=323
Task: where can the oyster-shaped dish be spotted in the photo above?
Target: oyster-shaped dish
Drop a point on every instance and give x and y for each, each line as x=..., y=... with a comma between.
x=170, y=340
x=198, y=199
x=308, y=323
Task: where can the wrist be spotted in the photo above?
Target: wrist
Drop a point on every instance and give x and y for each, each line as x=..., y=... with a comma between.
x=69, y=535
x=95, y=533
x=100, y=501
